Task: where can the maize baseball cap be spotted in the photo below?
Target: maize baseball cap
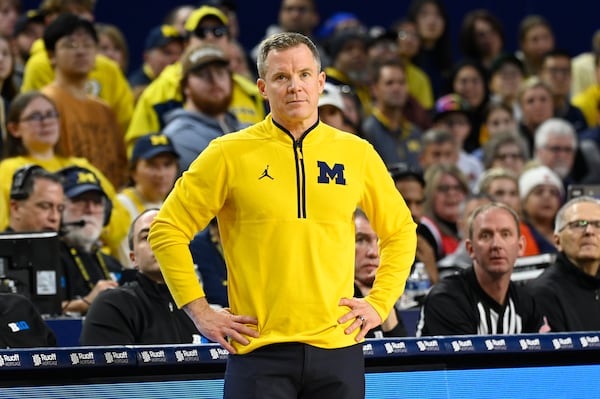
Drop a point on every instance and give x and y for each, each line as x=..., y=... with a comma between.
x=200, y=13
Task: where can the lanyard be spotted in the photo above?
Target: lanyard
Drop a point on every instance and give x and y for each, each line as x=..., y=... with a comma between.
x=83, y=269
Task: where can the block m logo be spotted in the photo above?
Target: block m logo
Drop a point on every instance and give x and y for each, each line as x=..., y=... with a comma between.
x=326, y=173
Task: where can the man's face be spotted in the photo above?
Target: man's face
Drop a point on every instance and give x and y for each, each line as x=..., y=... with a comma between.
x=414, y=195
x=558, y=154
x=142, y=256
x=210, y=88
x=556, y=71
x=537, y=42
x=155, y=177
x=210, y=30
x=438, y=153
x=495, y=243
x=505, y=191
x=75, y=54
x=90, y=207
x=391, y=90
x=25, y=39
x=292, y=85
x=506, y=81
x=366, y=260
x=159, y=58
x=41, y=211
x=580, y=244
x=537, y=105
x=353, y=58
x=298, y=16
x=457, y=124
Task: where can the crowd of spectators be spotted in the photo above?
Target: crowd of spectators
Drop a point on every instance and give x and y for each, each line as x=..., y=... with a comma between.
x=517, y=128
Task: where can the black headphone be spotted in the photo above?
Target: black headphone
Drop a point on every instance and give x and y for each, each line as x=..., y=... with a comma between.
x=22, y=178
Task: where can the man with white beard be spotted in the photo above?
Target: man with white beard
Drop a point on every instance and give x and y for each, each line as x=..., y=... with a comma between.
x=87, y=270
x=555, y=147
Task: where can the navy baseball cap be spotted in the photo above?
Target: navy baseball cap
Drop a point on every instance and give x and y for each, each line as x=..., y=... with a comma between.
x=150, y=145
x=78, y=180
x=402, y=171
x=162, y=35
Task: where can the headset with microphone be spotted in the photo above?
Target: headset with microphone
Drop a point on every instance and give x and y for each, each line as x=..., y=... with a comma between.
x=22, y=181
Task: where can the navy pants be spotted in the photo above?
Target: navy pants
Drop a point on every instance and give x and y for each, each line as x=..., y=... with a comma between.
x=296, y=371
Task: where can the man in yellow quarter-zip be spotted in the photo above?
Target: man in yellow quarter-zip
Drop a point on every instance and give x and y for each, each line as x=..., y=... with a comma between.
x=284, y=191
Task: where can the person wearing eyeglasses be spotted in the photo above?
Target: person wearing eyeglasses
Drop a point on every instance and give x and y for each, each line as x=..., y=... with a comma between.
x=88, y=127
x=205, y=25
x=445, y=191
x=33, y=134
x=568, y=290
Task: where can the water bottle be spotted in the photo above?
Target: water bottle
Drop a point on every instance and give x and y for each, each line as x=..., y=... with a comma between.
x=418, y=284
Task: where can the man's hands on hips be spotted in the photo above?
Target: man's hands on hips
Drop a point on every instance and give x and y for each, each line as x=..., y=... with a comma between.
x=217, y=325
x=365, y=317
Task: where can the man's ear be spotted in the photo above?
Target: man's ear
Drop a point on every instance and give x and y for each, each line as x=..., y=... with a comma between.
x=557, y=241
x=262, y=88
x=132, y=259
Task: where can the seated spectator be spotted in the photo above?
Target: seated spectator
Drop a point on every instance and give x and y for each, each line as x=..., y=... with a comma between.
x=28, y=28
x=331, y=108
x=105, y=81
x=506, y=150
x=438, y=147
x=36, y=200
x=392, y=133
x=153, y=170
x=469, y=81
x=460, y=259
x=205, y=26
x=112, y=43
x=163, y=46
x=21, y=324
x=536, y=38
x=537, y=106
x=482, y=299
x=207, y=87
x=409, y=44
x=445, y=190
x=207, y=253
x=541, y=196
x=505, y=78
x=583, y=68
x=366, y=262
x=567, y=291
x=34, y=132
x=410, y=183
x=451, y=114
x=556, y=72
x=481, y=37
x=87, y=270
x=502, y=185
x=88, y=127
x=498, y=118
x=142, y=312
x=348, y=51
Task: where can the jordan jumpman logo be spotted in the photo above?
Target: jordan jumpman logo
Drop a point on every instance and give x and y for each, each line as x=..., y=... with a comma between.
x=266, y=174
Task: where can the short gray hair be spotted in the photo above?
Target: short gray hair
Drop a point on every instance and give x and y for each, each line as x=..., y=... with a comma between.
x=559, y=222
x=283, y=41
x=554, y=127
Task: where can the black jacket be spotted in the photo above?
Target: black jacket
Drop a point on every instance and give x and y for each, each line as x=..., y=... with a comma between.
x=569, y=297
x=457, y=305
x=141, y=313
x=21, y=326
